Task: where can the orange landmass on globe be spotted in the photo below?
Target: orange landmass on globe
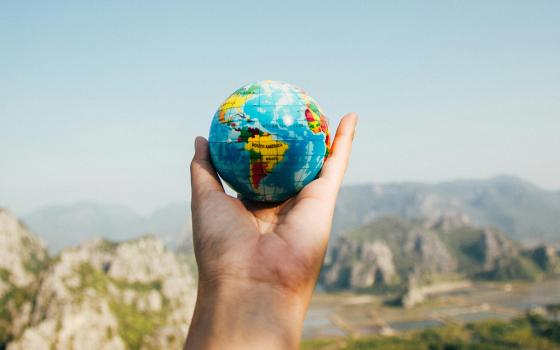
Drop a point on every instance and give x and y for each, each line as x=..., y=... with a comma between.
x=265, y=154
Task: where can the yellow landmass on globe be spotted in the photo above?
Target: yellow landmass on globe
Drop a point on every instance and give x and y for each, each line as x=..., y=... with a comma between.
x=236, y=102
x=265, y=154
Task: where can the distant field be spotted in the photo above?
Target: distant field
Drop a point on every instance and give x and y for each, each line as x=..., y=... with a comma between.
x=345, y=315
x=528, y=332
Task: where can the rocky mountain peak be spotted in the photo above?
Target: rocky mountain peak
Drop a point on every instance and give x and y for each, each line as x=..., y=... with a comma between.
x=359, y=265
x=392, y=251
x=547, y=257
x=22, y=259
x=493, y=247
x=430, y=252
x=447, y=222
x=22, y=252
x=102, y=294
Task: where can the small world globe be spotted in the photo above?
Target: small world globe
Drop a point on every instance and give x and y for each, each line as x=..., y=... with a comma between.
x=268, y=140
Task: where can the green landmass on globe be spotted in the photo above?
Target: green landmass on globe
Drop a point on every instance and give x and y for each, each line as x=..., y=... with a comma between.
x=268, y=140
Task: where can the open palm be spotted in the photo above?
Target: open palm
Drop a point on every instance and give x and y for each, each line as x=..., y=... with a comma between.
x=279, y=245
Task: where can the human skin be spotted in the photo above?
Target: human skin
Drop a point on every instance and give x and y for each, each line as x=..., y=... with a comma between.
x=258, y=263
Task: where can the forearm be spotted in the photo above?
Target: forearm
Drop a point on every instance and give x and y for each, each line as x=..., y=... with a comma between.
x=241, y=315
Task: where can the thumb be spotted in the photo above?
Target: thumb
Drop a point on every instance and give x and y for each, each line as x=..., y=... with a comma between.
x=203, y=176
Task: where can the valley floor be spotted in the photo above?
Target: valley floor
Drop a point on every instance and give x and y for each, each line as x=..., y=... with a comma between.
x=341, y=316
x=531, y=331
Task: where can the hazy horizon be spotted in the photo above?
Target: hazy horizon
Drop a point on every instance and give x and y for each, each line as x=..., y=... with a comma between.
x=101, y=102
x=186, y=201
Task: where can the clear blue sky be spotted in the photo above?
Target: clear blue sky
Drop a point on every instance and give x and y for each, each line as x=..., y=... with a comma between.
x=101, y=100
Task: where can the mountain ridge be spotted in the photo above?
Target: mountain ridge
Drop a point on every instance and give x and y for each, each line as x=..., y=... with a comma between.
x=64, y=225
x=523, y=210
x=98, y=294
x=392, y=254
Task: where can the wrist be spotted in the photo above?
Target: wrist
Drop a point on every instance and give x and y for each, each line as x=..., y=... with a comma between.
x=237, y=314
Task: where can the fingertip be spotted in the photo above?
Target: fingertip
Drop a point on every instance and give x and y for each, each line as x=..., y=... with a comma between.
x=350, y=120
x=346, y=129
x=352, y=115
x=204, y=177
x=198, y=141
x=200, y=148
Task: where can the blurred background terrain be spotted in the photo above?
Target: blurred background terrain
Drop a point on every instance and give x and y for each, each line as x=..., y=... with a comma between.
x=403, y=258
x=447, y=229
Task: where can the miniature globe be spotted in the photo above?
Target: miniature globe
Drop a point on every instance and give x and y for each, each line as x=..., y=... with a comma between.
x=268, y=140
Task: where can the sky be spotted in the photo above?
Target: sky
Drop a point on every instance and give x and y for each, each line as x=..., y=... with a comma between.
x=101, y=101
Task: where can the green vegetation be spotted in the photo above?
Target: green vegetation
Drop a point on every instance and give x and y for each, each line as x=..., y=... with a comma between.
x=4, y=274
x=10, y=304
x=466, y=244
x=554, y=311
x=108, y=246
x=137, y=286
x=91, y=278
x=512, y=268
x=394, y=232
x=36, y=264
x=391, y=229
x=528, y=332
x=134, y=324
x=38, y=260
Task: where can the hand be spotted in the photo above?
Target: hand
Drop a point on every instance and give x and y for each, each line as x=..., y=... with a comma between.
x=258, y=263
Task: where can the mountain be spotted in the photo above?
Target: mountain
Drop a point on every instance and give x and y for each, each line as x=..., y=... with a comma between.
x=522, y=210
x=23, y=258
x=98, y=295
x=392, y=253
x=519, y=208
x=63, y=226
x=105, y=295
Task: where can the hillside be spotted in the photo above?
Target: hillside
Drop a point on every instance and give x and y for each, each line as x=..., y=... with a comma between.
x=392, y=253
x=23, y=259
x=100, y=294
x=517, y=207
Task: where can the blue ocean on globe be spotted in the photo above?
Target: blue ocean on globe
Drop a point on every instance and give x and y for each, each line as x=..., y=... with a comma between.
x=268, y=140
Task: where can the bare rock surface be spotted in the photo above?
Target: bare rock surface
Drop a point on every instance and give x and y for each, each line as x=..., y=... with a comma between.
x=410, y=254
x=360, y=265
x=104, y=295
x=22, y=259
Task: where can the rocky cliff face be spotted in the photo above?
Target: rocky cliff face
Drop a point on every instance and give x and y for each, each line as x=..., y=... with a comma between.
x=116, y=296
x=99, y=295
x=546, y=257
x=492, y=247
x=22, y=260
x=359, y=266
x=395, y=251
x=431, y=255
